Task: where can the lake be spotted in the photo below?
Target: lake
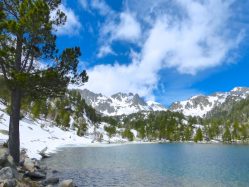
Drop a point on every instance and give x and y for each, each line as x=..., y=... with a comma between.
x=154, y=165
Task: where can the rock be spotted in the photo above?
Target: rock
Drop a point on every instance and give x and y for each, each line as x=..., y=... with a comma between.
x=36, y=175
x=23, y=155
x=29, y=164
x=8, y=173
x=3, y=157
x=4, y=132
x=67, y=183
x=43, y=153
x=37, y=163
x=21, y=163
x=8, y=183
x=51, y=180
x=54, y=171
x=20, y=169
x=10, y=162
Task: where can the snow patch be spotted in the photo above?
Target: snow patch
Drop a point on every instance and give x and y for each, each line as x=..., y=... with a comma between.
x=35, y=135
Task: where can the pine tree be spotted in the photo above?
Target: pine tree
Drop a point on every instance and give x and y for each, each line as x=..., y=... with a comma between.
x=235, y=131
x=35, y=110
x=81, y=126
x=128, y=134
x=111, y=130
x=187, y=133
x=141, y=133
x=26, y=36
x=198, y=136
x=227, y=137
x=244, y=132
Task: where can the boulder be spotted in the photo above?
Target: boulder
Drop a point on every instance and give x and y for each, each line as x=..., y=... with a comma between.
x=54, y=171
x=10, y=162
x=23, y=155
x=3, y=157
x=67, y=183
x=51, y=180
x=29, y=164
x=8, y=183
x=8, y=173
x=37, y=163
x=43, y=153
x=36, y=175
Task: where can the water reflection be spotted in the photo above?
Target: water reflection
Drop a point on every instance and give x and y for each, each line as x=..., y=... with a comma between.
x=154, y=165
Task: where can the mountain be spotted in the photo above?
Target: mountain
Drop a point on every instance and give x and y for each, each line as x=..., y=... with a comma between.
x=201, y=105
x=119, y=103
x=155, y=106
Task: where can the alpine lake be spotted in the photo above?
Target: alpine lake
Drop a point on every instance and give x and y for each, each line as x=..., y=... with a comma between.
x=170, y=164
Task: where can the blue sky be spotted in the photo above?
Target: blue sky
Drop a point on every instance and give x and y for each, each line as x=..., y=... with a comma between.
x=161, y=49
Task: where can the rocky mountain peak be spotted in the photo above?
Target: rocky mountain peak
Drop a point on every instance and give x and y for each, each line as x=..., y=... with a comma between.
x=118, y=104
x=200, y=105
x=121, y=96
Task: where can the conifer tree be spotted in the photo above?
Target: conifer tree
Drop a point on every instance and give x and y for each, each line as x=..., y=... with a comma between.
x=227, y=137
x=235, y=132
x=198, y=136
x=27, y=38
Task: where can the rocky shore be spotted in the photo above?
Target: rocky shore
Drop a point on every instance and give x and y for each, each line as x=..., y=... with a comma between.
x=29, y=173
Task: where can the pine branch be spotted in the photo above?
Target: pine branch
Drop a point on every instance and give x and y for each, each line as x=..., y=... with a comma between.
x=3, y=68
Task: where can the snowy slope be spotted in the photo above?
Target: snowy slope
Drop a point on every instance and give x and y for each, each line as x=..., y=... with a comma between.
x=39, y=134
x=200, y=105
x=119, y=104
x=155, y=106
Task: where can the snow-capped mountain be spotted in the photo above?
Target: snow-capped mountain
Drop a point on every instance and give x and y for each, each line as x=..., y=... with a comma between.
x=155, y=106
x=119, y=103
x=201, y=105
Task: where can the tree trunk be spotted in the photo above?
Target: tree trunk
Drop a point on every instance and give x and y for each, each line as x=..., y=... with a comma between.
x=14, y=140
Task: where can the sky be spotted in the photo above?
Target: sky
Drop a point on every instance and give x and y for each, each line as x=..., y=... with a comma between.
x=163, y=50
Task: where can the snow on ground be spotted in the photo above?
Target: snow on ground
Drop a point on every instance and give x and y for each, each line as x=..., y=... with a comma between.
x=39, y=134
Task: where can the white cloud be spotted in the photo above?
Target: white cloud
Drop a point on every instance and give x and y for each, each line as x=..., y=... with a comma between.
x=109, y=79
x=125, y=28
x=101, y=6
x=118, y=26
x=72, y=25
x=196, y=43
x=105, y=50
x=128, y=28
x=198, y=39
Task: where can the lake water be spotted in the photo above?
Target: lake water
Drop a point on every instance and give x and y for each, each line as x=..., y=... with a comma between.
x=154, y=165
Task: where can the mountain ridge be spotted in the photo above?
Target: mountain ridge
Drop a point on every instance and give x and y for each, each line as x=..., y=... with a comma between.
x=119, y=103
x=128, y=103
x=200, y=105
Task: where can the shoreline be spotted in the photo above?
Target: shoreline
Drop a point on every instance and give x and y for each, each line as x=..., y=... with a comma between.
x=54, y=149
x=38, y=135
x=105, y=144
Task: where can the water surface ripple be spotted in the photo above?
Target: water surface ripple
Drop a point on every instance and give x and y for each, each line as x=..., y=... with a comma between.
x=154, y=165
